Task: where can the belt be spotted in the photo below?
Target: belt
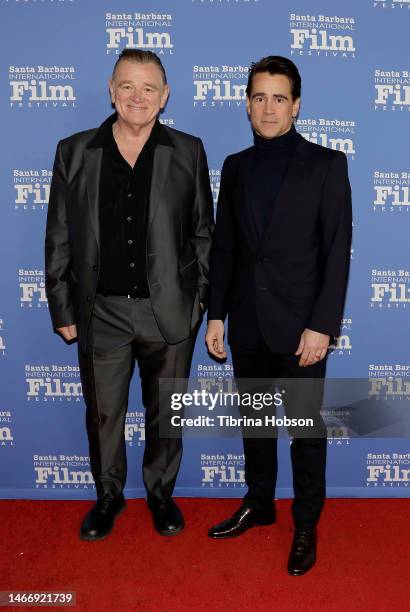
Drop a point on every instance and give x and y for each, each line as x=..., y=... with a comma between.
x=134, y=295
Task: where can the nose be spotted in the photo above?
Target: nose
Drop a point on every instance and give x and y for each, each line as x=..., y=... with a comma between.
x=270, y=106
x=137, y=94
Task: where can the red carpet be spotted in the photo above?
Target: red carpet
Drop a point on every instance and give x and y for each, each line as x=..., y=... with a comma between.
x=364, y=559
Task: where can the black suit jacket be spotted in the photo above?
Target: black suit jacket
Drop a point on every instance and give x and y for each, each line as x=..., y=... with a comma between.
x=295, y=276
x=180, y=225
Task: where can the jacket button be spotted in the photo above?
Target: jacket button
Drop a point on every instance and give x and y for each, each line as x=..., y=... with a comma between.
x=89, y=299
x=95, y=268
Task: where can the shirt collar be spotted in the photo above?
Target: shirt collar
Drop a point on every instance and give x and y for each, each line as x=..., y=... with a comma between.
x=104, y=137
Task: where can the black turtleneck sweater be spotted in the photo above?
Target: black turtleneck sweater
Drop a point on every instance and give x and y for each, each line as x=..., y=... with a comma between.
x=269, y=163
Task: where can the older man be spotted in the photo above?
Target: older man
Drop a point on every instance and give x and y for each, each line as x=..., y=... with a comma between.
x=127, y=256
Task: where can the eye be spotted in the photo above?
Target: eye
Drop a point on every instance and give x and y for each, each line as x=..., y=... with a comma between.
x=258, y=99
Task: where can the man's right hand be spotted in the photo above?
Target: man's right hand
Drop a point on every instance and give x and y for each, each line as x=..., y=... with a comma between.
x=69, y=332
x=215, y=338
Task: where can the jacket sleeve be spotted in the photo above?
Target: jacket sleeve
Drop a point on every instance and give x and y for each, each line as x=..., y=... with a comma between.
x=57, y=249
x=336, y=232
x=223, y=253
x=203, y=222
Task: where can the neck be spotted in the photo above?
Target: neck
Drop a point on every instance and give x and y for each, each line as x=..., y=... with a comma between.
x=136, y=134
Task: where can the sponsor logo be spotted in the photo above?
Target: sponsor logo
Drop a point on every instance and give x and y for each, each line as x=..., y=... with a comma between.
x=222, y=470
x=390, y=288
x=388, y=469
x=62, y=472
x=392, y=90
x=391, y=4
x=134, y=431
x=6, y=434
x=42, y=86
x=222, y=85
x=2, y=340
x=391, y=191
x=389, y=381
x=343, y=343
x=32, y=288
x=329, y=36
x=31, y=189
x=215, y=179
x=337, y=134
x=134, y=30
x=53, y=383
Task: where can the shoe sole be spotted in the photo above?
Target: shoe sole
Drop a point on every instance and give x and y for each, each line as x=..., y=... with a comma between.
x=88, y=538
x=171, y=533
x=239, y=533
x=301, y=572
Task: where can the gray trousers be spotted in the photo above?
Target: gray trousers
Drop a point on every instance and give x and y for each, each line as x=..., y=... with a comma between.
x=123, y=330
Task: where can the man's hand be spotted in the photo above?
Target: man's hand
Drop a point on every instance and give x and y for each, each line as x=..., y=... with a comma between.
x=312, y=347
x=69, y=332
x=215, y=338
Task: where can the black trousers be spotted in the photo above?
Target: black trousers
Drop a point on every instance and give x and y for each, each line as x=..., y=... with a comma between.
x=123, y=330
x=308, y=454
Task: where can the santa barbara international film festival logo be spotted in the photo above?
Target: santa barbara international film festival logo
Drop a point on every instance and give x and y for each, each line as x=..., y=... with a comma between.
x=134, y=430
x=391, y=191
x=62, y=472
x=42, y=86
x=31, y=189
x=330, y=36
x=390, y=289
x=343, y=343
x=222, y=470
x=388, y=469
x=215, y=180
x=389, y=381
x=222, y=85
x=6, y=431
x=2, y=338
x=147, y=31
x=32, y=288
x=392, y=90
x=337, y=134
x=53, y=383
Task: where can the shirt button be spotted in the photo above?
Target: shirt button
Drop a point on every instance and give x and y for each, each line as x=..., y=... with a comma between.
x=129, y=195
x=132, y=264
x=129, y=241
x=129, y=219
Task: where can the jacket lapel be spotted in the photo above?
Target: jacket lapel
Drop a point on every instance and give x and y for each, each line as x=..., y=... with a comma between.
x=92, y=163
x=162, y=158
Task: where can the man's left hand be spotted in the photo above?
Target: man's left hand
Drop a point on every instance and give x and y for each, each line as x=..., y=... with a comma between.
x=312, y=347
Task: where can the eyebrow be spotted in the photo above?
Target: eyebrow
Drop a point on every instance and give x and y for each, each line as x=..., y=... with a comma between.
x=256, y=94
x=145, y=83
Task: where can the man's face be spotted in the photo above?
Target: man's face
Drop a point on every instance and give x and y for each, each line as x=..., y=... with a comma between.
x=138, y=92
x=270, y=106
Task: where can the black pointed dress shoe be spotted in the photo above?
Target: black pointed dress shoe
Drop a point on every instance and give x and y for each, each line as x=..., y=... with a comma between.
x=167, y=517
x=243, y=519
x=98, y=523
x=303, y=552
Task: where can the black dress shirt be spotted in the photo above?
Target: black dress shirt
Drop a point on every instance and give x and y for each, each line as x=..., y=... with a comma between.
x=124, y=202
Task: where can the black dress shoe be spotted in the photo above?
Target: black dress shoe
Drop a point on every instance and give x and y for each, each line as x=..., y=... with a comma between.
x=303, y=552
x=99, y=522
x=166, y=516
x=241, y=521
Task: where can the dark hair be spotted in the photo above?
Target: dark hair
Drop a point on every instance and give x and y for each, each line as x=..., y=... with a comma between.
x=141, y=57
x=275, y=64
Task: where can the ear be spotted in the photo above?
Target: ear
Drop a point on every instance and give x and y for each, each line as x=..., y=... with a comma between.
x=164, y=96
x=112, y=90
x=248, y=105
x=295, y=108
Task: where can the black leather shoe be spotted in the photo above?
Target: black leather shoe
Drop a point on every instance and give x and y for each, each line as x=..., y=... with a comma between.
x=241, y=521
x=303, y=552
x=99, y=522
x=166, y=516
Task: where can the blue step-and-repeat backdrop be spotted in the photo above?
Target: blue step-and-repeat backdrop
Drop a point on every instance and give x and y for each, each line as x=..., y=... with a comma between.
x=57, y=55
